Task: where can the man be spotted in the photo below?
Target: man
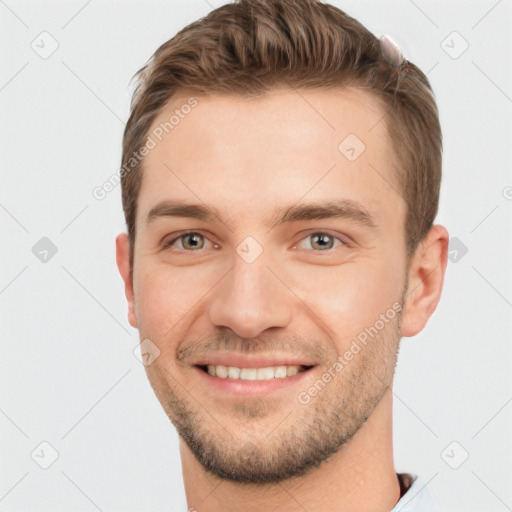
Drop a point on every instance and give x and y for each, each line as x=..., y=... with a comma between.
x=281, y=173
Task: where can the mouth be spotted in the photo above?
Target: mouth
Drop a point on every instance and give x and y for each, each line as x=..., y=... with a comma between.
x=267, y=373
x=243, y=382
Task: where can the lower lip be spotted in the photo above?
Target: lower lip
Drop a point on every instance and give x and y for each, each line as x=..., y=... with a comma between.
x=240, y=387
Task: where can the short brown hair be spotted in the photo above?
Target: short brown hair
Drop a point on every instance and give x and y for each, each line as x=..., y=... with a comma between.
x=252, y=46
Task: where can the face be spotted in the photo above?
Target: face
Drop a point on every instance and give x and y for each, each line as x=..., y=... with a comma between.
x=299, y=266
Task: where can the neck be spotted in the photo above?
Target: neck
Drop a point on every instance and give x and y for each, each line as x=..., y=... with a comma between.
x=360, y=477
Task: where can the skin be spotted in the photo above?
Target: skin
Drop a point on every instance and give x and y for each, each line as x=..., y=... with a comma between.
x=245, y=157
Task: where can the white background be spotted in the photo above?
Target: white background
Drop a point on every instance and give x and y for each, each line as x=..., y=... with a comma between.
x=68, y=374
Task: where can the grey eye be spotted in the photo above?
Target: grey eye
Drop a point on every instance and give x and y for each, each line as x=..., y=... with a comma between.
x=322, y=240
x=189, y=241
x=193, y=240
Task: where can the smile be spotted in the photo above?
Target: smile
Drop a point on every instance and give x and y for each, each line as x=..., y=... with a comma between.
x=265, y=373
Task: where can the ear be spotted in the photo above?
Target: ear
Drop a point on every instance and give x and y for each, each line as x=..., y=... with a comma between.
x=123, y=264
x=426, y=277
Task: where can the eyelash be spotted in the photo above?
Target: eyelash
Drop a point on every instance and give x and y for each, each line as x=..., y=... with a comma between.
x=171, y=242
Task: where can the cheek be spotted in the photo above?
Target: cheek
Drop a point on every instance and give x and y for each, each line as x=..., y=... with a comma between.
x=165, y=295
x=351, y=297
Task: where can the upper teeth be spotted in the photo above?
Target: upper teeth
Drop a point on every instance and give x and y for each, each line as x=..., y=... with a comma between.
x=271, y=372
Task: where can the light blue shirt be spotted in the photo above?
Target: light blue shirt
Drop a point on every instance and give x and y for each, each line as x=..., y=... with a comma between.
x=417, y=498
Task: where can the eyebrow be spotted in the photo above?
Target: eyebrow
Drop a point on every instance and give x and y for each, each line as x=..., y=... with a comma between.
x=342, y=208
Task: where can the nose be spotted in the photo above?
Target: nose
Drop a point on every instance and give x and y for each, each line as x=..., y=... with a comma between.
x=251, y=299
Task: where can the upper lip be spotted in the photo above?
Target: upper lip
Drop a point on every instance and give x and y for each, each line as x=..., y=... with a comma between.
x=246, y=361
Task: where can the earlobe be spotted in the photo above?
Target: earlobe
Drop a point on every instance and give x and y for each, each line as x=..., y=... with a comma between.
x=426, y=278
x=123, y=264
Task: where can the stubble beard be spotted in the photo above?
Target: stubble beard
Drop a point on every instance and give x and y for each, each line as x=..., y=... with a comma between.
x=302, y=437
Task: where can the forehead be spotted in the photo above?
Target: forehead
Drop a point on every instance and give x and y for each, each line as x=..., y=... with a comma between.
x=247, y=155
